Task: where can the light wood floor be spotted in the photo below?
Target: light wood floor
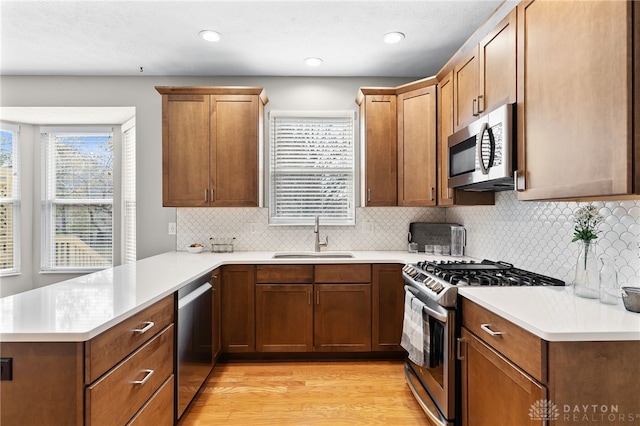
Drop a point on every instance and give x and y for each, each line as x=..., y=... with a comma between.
x=305, y=393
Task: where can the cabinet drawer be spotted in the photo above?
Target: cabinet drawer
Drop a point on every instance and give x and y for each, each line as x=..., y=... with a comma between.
x=115, y=398
x=109, y=348
x=280, y=274
x=343, y=273
x=518, y=345
x=158, y=411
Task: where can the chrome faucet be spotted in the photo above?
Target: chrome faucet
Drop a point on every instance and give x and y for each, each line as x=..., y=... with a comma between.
x=316, y=230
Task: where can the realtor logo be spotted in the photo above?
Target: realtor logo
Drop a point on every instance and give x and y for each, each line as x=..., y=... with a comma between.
x=543, y=409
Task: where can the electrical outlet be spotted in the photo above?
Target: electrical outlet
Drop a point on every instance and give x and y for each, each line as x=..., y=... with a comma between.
x=172, y=228
x=6, y=368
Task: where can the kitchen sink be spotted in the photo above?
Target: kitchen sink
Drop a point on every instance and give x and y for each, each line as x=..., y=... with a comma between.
x=313, y=255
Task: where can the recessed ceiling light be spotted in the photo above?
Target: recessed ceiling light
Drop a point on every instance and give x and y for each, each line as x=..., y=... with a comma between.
x=210, y=35
x=313, y=62
x=393, y=37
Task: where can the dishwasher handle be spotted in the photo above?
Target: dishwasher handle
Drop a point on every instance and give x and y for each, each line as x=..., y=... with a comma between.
x=187, y=299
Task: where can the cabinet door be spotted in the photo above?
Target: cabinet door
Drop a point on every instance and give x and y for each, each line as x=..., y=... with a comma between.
x=342, y=318
x=216, y=340
x=238, y=304
x=494, y=391
x=380, y=133
x=498, y=65
x=417, y=147
x=445, y=129
x=574, y=99
x=185, y=150
x=465, y=90
x=234, y=150
x=388, y=307
x=284, y=317
x=448, y=196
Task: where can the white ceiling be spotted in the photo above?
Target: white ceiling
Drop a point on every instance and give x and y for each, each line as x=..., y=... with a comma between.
x=260, y=38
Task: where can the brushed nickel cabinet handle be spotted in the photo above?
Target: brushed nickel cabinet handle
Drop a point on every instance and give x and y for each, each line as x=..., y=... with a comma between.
x=148, y=374
x=519, y=182
x=317, y=297
x=369, y=194
x=213, y=198
x=485, y=327
x=148, y=326
x=431, y=191
x=206, y=195
x=480, y=103
x=474, y=109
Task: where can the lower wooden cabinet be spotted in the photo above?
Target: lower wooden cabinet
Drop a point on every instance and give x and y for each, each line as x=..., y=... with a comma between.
x=307, y=308
x=123, y=375
x=494, y=390
x=284, y=317
x=238, y=308
x=342, y=318
x=387, y=307
x=158, y=411
x=130, y=384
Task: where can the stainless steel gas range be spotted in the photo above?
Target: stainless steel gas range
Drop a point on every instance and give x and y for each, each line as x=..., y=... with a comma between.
x=431, y=325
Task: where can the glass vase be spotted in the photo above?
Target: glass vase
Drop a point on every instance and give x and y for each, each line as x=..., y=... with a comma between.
x=609, y=288
x=586, y=282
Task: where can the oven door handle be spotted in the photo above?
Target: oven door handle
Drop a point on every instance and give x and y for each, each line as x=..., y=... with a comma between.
x=433, y=313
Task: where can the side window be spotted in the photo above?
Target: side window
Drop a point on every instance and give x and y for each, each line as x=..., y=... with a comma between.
x=9, y=200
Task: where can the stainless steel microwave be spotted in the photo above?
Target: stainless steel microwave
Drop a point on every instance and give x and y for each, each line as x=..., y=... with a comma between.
x=482, y=155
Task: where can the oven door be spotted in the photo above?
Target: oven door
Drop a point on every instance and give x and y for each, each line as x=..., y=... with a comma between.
x=435, y=387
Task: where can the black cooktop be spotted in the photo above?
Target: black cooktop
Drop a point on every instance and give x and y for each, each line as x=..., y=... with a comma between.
x=486, y=273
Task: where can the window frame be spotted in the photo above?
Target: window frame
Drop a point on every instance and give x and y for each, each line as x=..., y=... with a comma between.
x=49, y=202
x=349, y=219
x=15, y=200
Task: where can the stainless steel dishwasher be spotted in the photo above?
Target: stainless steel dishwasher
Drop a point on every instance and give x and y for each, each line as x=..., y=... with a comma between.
x=195, y=357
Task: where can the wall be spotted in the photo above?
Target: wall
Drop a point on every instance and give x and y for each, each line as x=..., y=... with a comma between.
x=537, y=235
x=139, y=92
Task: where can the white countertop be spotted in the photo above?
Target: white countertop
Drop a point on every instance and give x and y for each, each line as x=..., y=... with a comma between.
x=556, y=315
x=79, y=309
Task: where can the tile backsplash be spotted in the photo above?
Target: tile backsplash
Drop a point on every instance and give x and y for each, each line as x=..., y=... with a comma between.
x=377, y=228
x=537, y=235
x=531, y=235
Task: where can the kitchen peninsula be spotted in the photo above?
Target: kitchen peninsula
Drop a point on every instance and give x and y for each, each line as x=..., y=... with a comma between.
x=65, y=317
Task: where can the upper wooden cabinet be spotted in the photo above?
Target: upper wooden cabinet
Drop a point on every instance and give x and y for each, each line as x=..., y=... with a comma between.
x=449, y=196
x=211, y=137
x=378, y=135
x=578, y=67
x=417, y=161
x=485, y=76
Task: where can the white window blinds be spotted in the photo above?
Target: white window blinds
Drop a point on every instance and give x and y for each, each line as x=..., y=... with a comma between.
x=9, y=200
x=312, y=167
x=129, y=192
x=78, y=200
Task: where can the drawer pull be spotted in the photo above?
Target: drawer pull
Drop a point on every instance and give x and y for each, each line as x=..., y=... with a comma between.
x=149, y=325
x=486, y=328
x=148, y=374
